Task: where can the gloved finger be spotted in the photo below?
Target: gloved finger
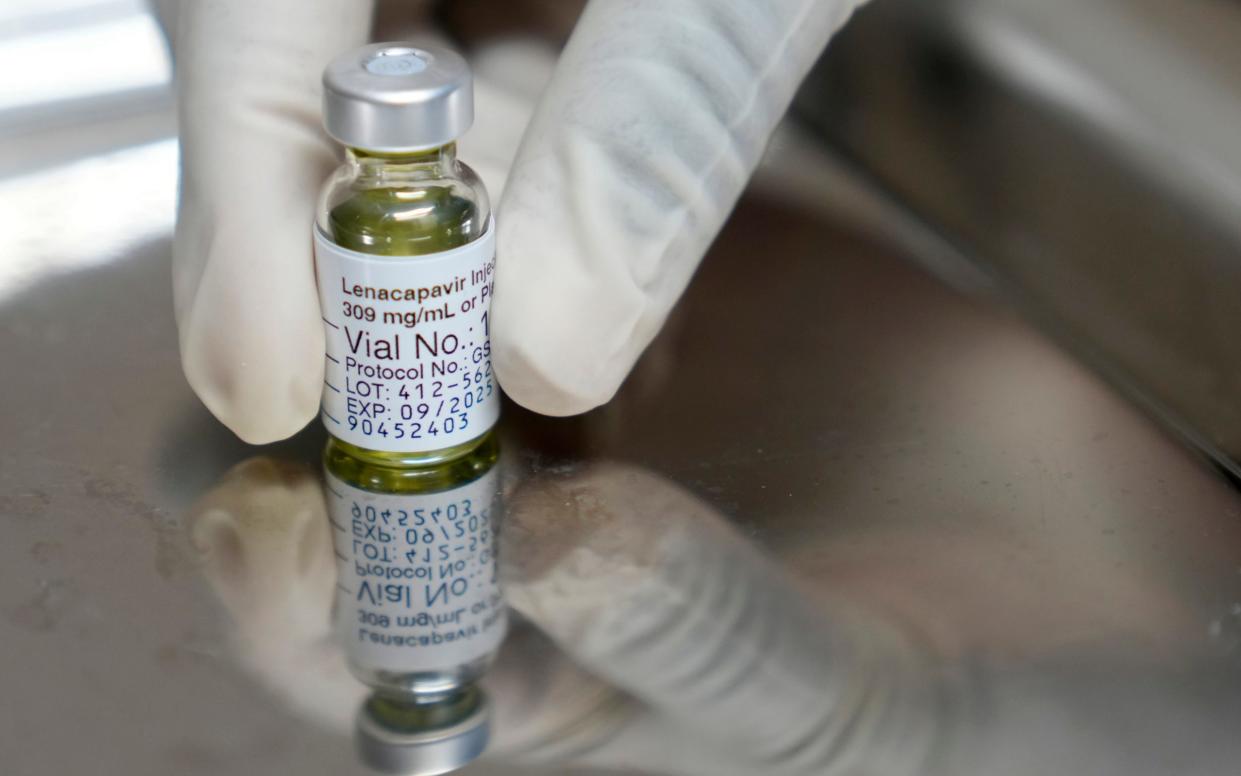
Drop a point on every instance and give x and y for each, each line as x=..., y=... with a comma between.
x=508, y=78
x=253, y=157
x=656, y=115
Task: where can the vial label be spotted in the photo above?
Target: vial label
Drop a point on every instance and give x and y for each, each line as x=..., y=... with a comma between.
x=408, y=348
x=417, y=586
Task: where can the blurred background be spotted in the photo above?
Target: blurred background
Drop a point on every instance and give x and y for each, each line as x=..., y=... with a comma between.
x=1005, y=243
x=95, y=116
x=1085, y=157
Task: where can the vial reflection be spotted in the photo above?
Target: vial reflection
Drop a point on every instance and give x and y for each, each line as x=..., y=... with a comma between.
x=418, y=609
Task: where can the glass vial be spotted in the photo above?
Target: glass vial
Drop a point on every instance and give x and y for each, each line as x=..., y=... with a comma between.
x=405, y=258
x=404, y=255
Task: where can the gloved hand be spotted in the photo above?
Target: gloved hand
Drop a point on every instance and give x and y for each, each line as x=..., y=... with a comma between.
x=644, y=138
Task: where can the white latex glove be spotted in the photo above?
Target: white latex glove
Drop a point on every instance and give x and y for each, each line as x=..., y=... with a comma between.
x=654, y=119
x=253, y=156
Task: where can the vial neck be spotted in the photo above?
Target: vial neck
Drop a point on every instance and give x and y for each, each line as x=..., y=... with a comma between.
x=433, y=162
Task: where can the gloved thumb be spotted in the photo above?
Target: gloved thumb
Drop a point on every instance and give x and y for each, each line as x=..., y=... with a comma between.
x=253, y=157
x=657, y=113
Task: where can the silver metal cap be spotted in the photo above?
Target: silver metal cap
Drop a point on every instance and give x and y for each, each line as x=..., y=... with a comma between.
x=422, y=753
x=398, y=97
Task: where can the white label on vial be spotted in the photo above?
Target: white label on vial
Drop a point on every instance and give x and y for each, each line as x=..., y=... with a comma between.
x=408, y=352
x=417, y=586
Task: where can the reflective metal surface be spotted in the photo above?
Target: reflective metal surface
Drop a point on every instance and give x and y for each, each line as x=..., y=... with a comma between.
x=842, y=519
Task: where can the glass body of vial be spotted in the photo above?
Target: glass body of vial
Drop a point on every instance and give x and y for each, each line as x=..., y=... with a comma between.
x=403, y=206
x=404, y=258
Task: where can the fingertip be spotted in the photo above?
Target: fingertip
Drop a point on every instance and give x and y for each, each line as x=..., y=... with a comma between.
x=256, y=370
x=539, y=388
x=568, y=321
x=256, y=413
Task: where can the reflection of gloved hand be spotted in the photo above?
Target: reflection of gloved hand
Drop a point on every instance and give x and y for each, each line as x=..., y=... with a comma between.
x=736, y=670
x=652, y=122
x=745, y=670
x=265, y=544
x=642, y=584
